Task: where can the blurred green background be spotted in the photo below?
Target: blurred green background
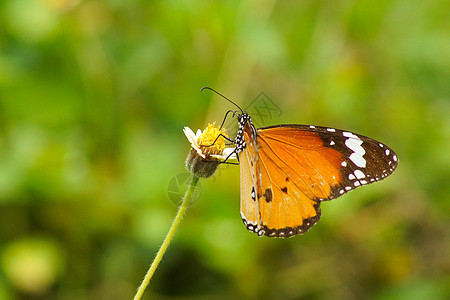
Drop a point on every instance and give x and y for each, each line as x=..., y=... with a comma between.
x=93, y=99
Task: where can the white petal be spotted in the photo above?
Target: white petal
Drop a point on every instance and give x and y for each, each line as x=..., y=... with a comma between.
x=228, y=151
x=225, y=154
x=190, y=135
x=193, y=140
x=219, y=157
x=199, y=151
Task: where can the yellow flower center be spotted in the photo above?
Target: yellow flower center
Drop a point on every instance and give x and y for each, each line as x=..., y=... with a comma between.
x=207, y=140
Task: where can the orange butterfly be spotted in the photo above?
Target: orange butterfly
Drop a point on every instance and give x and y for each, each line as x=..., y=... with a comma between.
x=288, y=170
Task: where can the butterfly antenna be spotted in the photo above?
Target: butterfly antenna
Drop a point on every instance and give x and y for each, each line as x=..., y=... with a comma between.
x=208, y=88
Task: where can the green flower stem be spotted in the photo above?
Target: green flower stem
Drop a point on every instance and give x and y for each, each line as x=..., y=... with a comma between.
x=176, y=222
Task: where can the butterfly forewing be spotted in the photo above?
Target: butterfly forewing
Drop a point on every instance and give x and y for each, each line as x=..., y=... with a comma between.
x=353, y=159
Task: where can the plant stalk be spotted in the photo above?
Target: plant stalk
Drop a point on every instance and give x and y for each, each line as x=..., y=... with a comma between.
x=176, y=222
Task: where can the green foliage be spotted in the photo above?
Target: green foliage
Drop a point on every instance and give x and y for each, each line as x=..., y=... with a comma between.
x=93, y=99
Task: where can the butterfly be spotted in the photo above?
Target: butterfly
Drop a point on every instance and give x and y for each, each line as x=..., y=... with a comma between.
x=287, y=171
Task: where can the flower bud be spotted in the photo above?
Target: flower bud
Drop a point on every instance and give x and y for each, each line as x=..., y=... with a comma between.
x=199, y=166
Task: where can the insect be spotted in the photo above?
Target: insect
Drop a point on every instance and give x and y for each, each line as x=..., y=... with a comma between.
x=286, y=171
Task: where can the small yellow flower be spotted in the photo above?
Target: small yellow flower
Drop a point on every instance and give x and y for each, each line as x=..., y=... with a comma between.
x=208, y=138
x=206, y=145
x=207, y=150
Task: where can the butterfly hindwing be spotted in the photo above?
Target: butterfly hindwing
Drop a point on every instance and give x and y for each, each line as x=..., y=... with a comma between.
x=285, y=209
x=249, y=206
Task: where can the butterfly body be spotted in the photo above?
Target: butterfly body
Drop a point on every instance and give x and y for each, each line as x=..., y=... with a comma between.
x=288, y=170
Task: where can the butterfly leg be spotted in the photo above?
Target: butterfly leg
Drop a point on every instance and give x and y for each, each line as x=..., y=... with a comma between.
x=220, y=135
x=225, y=161
x=229, y=155
x=226, y=115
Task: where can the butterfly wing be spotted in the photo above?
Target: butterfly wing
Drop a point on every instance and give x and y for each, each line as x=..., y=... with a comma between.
x=248, y=170
x=298, y=166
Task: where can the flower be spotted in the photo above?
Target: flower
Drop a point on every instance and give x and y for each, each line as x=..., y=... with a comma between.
x=208, y=150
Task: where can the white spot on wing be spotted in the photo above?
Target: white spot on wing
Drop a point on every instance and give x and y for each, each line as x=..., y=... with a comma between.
x=358, y=160
x=331, y=129
x=387, y=151
x=359, y=174
x=344, y=163
x=351, y=176
x=349, y=134
x=354, y=143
